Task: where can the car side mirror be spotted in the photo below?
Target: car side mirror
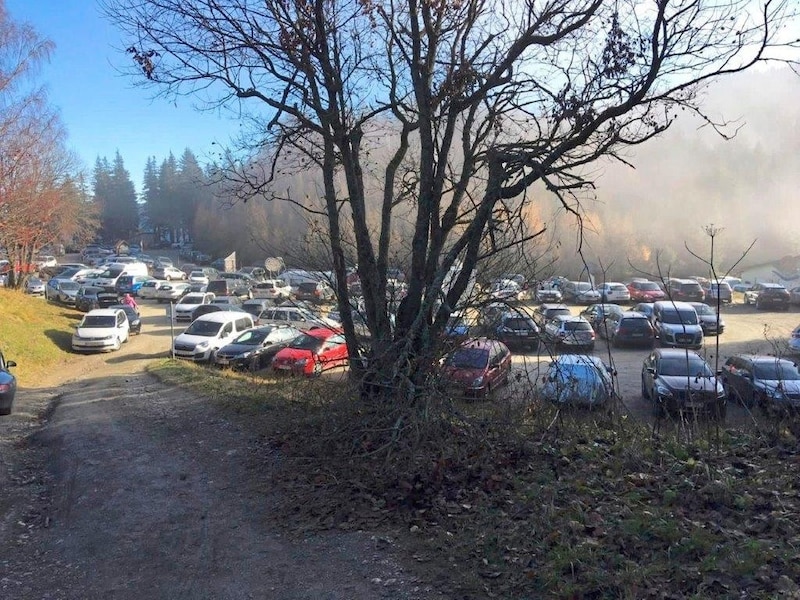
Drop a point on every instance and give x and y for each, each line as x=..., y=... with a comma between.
x=651, y=370
x=11, y=363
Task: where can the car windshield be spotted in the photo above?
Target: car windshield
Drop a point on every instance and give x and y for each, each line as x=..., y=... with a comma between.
x=98, y=321
x=693, y=366
x=112, y=273
x=705, y=309
x=469, y=358
x=307, y=342
x=583, y=286
x=776, y=370
x=253, y=337
x=679, y=317
x=649, y=286
x=203, y=328
x=69, y=285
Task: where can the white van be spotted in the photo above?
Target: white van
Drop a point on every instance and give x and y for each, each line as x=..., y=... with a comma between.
x=113, y=271
x=208, y=333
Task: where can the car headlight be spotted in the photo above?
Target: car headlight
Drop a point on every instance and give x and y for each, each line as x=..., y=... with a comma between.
x=478, y=381
x=201, y=346
x=664, y=391
x=247, y=354
x=107, y=337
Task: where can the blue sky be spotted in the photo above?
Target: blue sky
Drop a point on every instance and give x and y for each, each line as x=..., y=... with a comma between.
x=101, y=109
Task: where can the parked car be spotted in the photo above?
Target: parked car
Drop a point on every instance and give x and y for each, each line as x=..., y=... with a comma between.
x=477, y=367
x=677, y=324
x=255, y=348
x=311, y=353
x=580, y=292
x=131, y=284
x=678, y=381
x=516, y=330
x=505, y=290
x=168, y=273
x=256, y=306
x=315, y=291
x=134, y=319
x=101, y=329
x=229, y=287
x=711, y=321
x=685, y=290
x=457, y=326
x=271, y=289
x=596, y=314
x=300, y=318
x=34, y=286
x=630, y=328
x=147, y=291
x=107, y=298
x=198, y=277
x=771, y=382
x=86, y=298
x=643, y=290
x=570, y=332
x=8, y=385
x=768, y=295
x=717, y=292
x=184, y=307
x=794, y=340
x=546, y=293
x=63, y=291
x=577, y=380
x=614, y=291
x=646, y=308
x=171, y=291
x=210, y=332
x=543, y=313
x=794, y=295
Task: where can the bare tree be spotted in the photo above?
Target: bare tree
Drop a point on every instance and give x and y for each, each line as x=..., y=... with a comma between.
x=472, y=102
x=40, y=201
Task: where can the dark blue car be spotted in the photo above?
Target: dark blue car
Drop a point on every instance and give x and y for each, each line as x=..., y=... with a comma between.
x=130, y=284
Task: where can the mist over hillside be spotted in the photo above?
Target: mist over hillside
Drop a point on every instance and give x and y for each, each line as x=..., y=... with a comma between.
x=691, y=177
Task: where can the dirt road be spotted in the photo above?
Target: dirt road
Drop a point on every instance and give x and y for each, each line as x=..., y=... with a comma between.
x=130, y=489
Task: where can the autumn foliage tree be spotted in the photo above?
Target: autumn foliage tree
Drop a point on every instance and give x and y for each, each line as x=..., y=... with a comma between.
x=41, y=199
x=473, y=103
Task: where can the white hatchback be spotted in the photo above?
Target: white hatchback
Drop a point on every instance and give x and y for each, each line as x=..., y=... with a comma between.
x=100, y=330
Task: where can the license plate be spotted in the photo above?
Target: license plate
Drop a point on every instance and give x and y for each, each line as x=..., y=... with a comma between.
x=222, y=361
x=637, y=335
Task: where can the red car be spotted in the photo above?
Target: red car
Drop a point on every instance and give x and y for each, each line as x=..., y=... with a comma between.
x=312, y=352
x=645, y=291
x=477, y=367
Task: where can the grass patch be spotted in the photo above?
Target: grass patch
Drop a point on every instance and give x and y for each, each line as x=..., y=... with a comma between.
x=35, y=334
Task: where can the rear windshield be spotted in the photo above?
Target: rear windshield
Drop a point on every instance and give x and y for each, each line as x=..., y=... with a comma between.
x=691, y=287
x=557, y=311
x=634, y=324
x=577, y=326
x=519, y=323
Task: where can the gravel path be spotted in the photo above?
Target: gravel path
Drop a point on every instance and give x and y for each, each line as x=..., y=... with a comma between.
x=129, y=489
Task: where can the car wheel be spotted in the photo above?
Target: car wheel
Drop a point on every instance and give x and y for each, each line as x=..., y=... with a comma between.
x=117, y=344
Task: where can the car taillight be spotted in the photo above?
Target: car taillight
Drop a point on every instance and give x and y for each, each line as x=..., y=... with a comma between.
x=5, y=387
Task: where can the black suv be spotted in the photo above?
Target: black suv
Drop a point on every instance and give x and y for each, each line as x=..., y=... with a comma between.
x=768, y=295
x=677, y=380
x=517, y=330
x=685, y=290
x=769, y=381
